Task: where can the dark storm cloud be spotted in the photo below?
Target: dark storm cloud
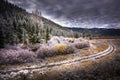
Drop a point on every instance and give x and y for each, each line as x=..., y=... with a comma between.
x=75, y=12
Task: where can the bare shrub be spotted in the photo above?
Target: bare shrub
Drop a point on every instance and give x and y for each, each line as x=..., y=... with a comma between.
x=26, y=56
x=13, y=56
x=45, y=51
x=52, y=52
x=81, y=45
x=70, y=49
x=42, y=51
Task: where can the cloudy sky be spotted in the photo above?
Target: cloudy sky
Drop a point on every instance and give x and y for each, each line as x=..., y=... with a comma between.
x=76, y=13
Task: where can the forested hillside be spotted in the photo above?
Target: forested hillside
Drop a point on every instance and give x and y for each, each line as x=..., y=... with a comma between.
x=18, y=26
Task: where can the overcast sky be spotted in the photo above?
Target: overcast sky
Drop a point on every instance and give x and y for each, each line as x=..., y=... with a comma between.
x=76, y=13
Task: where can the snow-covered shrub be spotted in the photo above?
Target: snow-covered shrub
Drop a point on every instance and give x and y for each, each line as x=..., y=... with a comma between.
x=53, y=41
x=26, y=56
x=42, y=51
x=70, y=49
x=45, y=51
x=52, y=52
x=81, y=45
x=16, y=56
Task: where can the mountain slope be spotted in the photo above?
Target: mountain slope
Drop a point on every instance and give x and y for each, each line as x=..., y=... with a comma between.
x=18, y=26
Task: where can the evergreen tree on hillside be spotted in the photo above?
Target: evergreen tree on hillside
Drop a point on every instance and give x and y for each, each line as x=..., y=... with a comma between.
x=47, y=34
x=76, y=35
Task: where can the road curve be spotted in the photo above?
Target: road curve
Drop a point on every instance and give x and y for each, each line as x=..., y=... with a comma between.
x=81, y=59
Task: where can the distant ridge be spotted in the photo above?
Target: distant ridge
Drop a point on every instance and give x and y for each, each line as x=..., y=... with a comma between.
x=98, y=31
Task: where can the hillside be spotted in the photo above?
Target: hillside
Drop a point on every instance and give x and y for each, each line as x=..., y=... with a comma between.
x=18, y=26
x=57, y=29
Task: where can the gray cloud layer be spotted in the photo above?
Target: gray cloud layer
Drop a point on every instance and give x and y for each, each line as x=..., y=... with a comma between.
x=83, y=13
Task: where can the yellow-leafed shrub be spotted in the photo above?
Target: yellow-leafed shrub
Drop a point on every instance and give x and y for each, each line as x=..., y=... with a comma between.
x=61, y=48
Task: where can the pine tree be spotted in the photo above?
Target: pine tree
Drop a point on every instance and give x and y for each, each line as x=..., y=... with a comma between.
x=47, y=34
x=76, y=35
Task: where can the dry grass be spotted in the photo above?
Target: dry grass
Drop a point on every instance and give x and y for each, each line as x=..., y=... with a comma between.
x=60, y=58
x=84, y=53
x=114, y=53
x=61, y=48
x=101, y=47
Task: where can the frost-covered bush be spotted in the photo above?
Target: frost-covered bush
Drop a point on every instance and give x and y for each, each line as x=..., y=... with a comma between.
x=16, y=56
x=81, y=45
x=52, y=51
x=70, y=49
x=53, y=41
x=42, y=51
x=45, y=51
x=26, y=56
